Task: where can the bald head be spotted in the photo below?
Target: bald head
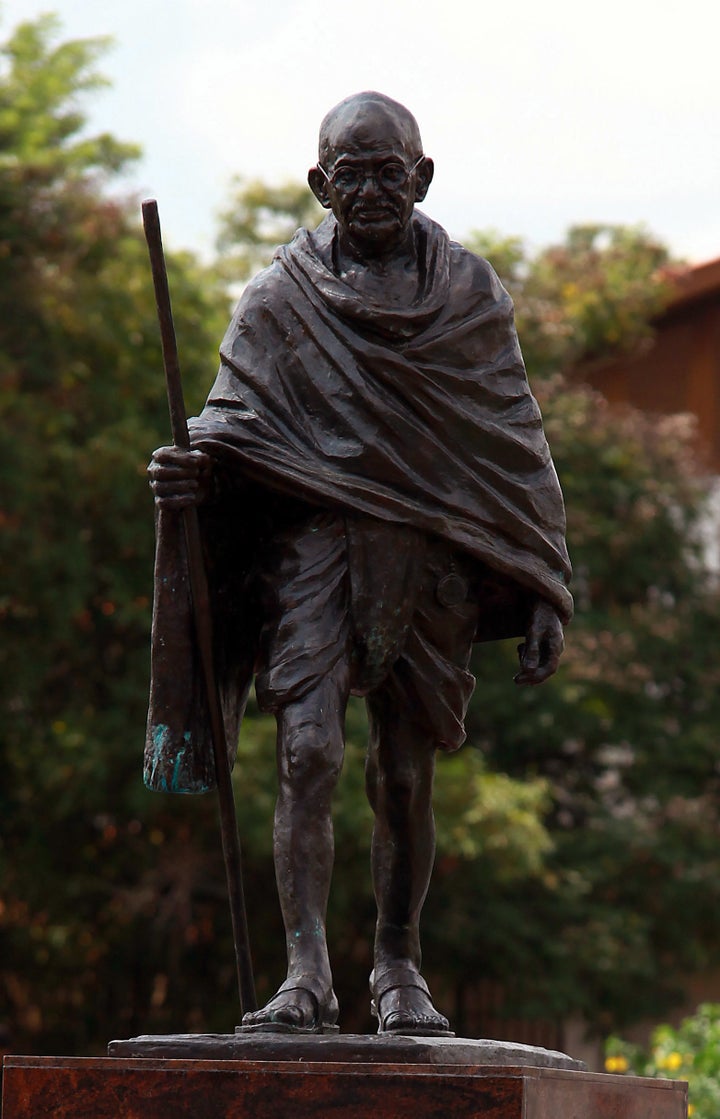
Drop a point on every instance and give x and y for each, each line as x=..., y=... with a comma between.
x=371, y=172
x=359, y=120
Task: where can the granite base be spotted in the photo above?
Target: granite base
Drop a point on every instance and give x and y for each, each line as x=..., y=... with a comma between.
x=176, y=1088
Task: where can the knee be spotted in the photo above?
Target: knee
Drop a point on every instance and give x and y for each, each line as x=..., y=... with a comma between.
x=310, y=752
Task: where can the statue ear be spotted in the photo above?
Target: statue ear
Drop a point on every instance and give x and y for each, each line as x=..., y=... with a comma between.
x=424, y=175
x=318, y=185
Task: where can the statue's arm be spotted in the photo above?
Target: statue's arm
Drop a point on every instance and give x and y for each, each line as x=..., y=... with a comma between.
x=544, y=643
x=179, y=478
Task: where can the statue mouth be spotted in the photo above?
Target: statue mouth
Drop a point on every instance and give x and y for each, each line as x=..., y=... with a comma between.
x=373, y=214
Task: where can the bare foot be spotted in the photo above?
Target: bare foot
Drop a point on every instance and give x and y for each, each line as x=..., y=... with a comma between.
x=298, y=1007
x=402, y=1005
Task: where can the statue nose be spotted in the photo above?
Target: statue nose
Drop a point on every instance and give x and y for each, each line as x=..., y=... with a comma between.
x=369, y=185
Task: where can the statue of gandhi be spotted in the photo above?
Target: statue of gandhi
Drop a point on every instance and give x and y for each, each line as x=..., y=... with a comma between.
x=376, y=493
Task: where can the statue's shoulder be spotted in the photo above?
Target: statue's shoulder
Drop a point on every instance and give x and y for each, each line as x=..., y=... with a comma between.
x=263, y=290
x=477, y=268
x=465, y=268
x=307, y=251
x=270, y=294
x=475, y=276
x=265, y=281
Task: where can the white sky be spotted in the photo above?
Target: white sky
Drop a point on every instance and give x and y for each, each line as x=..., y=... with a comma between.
x=538, y=114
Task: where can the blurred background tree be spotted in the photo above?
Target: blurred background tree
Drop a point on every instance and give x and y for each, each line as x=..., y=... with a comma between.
x=592, y=295
x=81, y=399
x=260, y=217
x=578, y=832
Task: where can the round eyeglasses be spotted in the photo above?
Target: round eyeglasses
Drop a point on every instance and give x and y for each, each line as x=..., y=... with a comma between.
x=390, y=176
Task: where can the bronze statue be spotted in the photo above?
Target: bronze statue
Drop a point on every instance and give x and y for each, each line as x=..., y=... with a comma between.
x=376, y=493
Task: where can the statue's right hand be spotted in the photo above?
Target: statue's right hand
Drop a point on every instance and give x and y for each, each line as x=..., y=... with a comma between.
x=179, y=478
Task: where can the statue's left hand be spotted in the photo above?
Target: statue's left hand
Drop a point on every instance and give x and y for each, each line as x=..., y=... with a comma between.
x=544, y=643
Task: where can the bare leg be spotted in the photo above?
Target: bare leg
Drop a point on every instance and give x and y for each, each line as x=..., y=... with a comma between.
x=399, y=775
x=310, y=753
x=399, y=779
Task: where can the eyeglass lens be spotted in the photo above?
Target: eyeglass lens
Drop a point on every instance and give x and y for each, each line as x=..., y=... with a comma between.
x=390, y=176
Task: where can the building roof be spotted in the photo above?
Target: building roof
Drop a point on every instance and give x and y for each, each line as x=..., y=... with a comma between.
x=700, y=281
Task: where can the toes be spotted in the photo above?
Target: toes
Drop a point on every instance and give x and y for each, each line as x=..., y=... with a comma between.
x=409, y=1009
x=289, y=1015
x=285, y=1010
x=397, y=1021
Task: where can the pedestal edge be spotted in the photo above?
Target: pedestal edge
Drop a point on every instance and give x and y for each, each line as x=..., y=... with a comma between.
x=343, y=1048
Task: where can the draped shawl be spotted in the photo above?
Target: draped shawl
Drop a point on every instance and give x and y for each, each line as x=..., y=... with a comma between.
x=418, y=415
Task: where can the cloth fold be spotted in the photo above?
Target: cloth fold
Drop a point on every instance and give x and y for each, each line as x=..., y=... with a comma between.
x=418, y=416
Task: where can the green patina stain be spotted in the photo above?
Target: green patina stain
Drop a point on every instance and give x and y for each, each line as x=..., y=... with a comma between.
x=160, y=735
x=176, y=784
x=155, y=774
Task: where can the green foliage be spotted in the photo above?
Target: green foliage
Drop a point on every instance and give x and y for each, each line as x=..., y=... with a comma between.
x=634, y=496
x=112, y=901
x=691, y=1052
x=488, y=815
x=81, y=405
x=626, y=734
x=578, y=301
x=49, y=169
x=40, y=119
x=258, y=219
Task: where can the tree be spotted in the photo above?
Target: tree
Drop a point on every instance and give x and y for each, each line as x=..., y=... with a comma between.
x=592, y=295
x=112, y=908
x=48, y=176
x=81, y=401
x=258, y=219
x=626, y=734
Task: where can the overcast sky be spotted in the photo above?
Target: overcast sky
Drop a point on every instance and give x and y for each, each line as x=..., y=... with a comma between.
x=539, y=115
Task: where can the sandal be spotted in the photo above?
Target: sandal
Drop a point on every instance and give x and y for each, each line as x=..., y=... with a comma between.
x=410, y=1019
x=289, y=1017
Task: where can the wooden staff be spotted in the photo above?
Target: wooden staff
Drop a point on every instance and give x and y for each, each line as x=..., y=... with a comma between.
x=203, y=618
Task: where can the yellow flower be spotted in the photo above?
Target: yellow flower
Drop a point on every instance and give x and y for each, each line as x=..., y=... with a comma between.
x=616, y=1064
x=691, y=1109
x=672, y=1062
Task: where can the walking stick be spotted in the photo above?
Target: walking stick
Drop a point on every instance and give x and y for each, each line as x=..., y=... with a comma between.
x=202, y=617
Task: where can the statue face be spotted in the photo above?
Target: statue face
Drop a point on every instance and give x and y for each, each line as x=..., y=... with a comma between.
x=371, y=176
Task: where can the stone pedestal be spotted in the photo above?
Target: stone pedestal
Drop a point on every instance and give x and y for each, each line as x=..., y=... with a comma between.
x=386, y=1049
x=313, y=1079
